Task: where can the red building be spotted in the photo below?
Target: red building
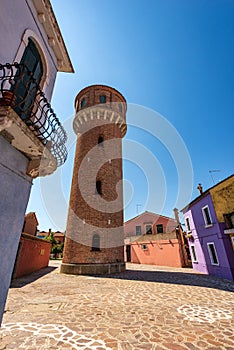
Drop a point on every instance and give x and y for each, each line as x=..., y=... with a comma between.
x=157, y=240
x=30, y=224
x=33, y=253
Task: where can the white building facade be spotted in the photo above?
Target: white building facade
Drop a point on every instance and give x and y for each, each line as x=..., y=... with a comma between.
x=32, y=140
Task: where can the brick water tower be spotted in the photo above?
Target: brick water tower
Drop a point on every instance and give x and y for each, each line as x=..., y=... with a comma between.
x=94, y=234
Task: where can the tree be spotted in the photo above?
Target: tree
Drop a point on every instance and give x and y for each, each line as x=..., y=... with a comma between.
x=54, y=244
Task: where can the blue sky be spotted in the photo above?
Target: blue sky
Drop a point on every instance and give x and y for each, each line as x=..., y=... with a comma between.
x=171, y=58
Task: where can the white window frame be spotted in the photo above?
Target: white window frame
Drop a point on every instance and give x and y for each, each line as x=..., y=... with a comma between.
x=204, y=216
x=210, y=254
x=194, y=259
x=232, y=239
x=188, y=226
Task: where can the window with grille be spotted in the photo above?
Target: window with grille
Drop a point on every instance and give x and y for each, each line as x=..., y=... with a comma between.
x=138, y=230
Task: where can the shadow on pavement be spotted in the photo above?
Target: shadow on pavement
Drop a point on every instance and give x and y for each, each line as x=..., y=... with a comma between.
x=24, y=280
x=187, y=279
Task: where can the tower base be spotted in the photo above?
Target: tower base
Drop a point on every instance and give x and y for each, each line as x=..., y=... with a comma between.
x=92, y=269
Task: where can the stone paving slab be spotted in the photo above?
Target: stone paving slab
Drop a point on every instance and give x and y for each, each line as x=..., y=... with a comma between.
x=146, y=307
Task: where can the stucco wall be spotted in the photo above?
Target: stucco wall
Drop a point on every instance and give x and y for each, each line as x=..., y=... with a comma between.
x=14, y=193
x=33, y=255
x=200, y=265
x=223, y=198
x=15, y=18
x=210, y=234
x=162, y=253
x=145, y=218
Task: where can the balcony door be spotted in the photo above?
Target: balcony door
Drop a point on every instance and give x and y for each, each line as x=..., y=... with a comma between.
x=27, y=80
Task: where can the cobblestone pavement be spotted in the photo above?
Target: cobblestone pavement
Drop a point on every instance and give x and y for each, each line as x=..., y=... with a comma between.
x=147, y=307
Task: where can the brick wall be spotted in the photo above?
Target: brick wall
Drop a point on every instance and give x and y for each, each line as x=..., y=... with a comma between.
x=91, y=213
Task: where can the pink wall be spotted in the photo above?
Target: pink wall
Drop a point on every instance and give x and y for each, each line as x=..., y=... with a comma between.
x=169, y=224
x=162, y=253
x=33, y=254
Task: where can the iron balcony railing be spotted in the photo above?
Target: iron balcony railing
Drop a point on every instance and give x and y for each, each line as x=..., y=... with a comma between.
x=20, y=90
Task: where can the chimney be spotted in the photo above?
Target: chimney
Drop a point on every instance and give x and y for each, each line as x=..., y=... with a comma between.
x=199, y=187
x=176, y=213
x=50, y=231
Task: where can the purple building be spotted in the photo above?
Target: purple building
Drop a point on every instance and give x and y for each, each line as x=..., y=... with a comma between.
x=209, y=235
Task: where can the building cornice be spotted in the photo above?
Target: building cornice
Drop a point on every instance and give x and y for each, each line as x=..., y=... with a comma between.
x=47, y=18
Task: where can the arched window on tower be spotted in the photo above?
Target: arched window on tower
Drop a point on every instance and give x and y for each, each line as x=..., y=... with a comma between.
x=96, y=243
x=103, y=99
x=99, y=187
x=100, y=140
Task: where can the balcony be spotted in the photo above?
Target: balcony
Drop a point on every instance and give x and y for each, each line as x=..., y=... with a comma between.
x=28, y=122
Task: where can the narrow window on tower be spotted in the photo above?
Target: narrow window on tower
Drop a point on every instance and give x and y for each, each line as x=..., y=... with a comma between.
x=99, y=187
x=103, y=99
x=100, y=141
x=83, y=102
x=96, y=243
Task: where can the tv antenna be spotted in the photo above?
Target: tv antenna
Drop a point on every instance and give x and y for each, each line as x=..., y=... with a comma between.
x=213, y=171
x=137, y=208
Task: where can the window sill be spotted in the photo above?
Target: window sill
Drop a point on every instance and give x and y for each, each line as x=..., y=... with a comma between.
x=207, y=226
